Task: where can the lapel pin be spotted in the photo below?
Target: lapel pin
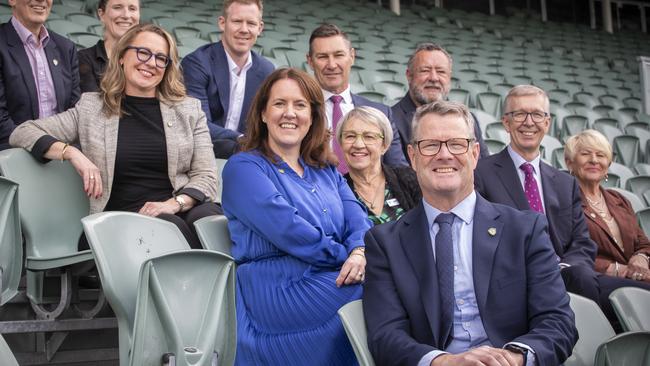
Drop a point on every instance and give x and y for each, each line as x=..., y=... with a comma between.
x=492, y=231
x=281, y=171
x=55, y=62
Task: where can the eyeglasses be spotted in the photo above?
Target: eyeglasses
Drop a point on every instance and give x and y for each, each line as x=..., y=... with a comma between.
x=144, y=55
x=456, y=146
x=520, y=116
x=368, y=138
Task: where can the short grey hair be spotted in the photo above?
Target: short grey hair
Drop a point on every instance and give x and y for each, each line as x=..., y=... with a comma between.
x=428, y=46
x=526, y=90
x=442, y=108
x=370, y=115
x=587, y=139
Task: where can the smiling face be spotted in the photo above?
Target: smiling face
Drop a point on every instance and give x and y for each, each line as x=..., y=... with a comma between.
x=287, y=116
x=362, y=154
x=526, y=137
x=331, y=59
x=445, y=179
x=142, y=78
x=241, y=26
x=118, y=17
x=429, y=77
x=31, y=13
x=589, y=165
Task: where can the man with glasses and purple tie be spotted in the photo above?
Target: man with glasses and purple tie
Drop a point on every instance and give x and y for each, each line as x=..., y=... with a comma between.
x=459, y=280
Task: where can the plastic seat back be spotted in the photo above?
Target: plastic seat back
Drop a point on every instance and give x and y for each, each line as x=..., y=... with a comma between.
x=593, y=329
x=122, y=242
x=186, y=307
x=631, y=305
x=6, y=356
x=622, y=171
x=354, y=323
x=11, y=241
x=635, y=201
x=213, y=233
x=51, y=204
x=627, y=349
x=644, y=219
x=638, y=185
x=627, y=149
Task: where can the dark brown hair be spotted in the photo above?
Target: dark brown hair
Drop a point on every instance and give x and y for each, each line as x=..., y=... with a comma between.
x=315, y=147
x=326, y=31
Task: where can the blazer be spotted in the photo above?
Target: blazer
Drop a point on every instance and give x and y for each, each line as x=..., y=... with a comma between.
x=18, y=99
x=634, y=239
x=207, y=78
x=189, y=149
x=519, y=290
x=403, y=112
x=402, y=181
x=395, y=154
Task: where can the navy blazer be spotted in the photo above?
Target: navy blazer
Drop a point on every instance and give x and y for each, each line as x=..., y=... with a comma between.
x=207, y=78
x=519, y=290
x=395, y=154
x=18, y=99
x=496, y=179
x=403, y=112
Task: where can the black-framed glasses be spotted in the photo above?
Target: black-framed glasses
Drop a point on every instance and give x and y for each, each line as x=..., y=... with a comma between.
x=520, y=116
x=456, y=146
x=368, y=138
x=144, y=55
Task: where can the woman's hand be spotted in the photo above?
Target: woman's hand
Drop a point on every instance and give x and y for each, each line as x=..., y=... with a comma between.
x=639, y=261
x=154, y=209
x=353, y=270
x=637, y=273
x=87, y=170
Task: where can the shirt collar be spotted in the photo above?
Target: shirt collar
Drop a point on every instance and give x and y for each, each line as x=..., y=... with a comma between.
x=463, y=210
x=346, y=94
x=233, y=68
x=518, y=159
x=26, y=35
x=100, y=51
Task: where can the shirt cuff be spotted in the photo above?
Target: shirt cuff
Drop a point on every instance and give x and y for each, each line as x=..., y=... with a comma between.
x=194, y=193
x=426, y=359
x=531, y=360
x=41, y=146
x=564, y=265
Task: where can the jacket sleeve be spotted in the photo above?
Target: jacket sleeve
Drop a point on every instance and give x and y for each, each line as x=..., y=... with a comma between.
x=581, y=249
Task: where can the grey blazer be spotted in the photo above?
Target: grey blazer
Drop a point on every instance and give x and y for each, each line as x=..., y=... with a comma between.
x=189, y=148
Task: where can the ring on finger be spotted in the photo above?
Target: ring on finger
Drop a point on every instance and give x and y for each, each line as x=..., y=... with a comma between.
x=92, y=177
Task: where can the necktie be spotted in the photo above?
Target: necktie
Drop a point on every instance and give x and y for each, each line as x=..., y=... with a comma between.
x=445, y=267
x=337, y=114
x=530, y=188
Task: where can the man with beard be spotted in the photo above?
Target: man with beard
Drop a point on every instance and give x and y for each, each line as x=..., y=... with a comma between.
x=429, y=76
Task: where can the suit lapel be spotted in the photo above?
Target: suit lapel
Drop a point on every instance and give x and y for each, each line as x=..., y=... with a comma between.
x=486, y=235
x=507, y=173
x=551, y=199
x=169, y=123
x=408, y=109
x=416, y=242
x=220, y=69
x=17, y=52
x=111, y=129
x=54, y=60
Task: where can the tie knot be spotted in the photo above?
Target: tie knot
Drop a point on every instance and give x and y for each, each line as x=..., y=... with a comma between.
x=336, y=99
x=527, y=168
x=445, y=218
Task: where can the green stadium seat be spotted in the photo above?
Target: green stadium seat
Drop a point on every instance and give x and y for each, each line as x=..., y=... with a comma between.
x=639, y=185
x=83, y=20
x=354, y=323
x=557, y=158
x=627, y=349
x=612, y=101
x=84, y=39
x=623, y=172
x=572, y=125
x=626, y=149
x=548, y=145
x=11, y=242
x=65, y=27
x=6, y=355
x=644, y=219
x=498, y=132
x=631, y=307
x=213, y=233
x=186, y=32
x=593, y=330
x=608, y=127
x=489, y=102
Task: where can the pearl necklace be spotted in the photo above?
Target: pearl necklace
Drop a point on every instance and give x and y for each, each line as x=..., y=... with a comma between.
x=600, y=208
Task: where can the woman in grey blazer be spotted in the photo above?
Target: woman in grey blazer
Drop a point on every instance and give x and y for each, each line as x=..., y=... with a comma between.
x=145, y=145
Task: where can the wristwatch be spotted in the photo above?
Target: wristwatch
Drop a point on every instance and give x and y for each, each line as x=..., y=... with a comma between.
x=180, y=201
x=517, y=349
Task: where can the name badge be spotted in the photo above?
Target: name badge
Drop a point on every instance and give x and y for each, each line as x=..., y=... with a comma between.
x=392, y=202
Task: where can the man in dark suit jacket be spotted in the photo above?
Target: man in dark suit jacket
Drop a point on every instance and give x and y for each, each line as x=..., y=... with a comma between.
x=429, y=75
x=331, y=56
x=209, y=70
x=22, y=97
x=498, y=179
x=508, y=303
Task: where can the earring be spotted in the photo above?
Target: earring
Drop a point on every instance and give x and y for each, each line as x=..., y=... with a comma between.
x=606, y=176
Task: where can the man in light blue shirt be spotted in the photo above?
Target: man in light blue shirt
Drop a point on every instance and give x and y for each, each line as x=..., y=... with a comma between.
x=458, y=279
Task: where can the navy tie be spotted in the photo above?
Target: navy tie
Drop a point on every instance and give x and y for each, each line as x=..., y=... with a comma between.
x=445, y=266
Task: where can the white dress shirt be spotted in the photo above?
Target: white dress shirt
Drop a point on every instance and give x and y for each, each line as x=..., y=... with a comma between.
x=346, y=105
x=237, y=90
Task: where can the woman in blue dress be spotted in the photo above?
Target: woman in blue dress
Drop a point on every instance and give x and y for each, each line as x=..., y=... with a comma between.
x=297, y=230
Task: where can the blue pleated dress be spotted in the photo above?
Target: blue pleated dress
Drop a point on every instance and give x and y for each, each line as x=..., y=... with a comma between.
x=290, y=235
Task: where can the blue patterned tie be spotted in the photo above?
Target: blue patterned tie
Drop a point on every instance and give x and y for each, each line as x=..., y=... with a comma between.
x=445, y=266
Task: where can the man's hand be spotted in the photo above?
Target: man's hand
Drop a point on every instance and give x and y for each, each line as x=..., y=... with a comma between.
x=481, y=356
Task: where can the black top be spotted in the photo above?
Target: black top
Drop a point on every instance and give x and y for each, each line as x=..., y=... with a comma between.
x=92, y=63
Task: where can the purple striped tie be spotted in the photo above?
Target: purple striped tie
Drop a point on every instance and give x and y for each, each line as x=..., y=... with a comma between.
x=337, y=114
x=530, y=187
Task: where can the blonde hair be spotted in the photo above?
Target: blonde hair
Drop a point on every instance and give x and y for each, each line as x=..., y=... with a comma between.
x=526, y=90
x=113, y=85
x=372, y=116
x=590, y=139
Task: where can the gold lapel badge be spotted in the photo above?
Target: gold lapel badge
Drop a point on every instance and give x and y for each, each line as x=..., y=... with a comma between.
x=492, y=231
x=55, y=62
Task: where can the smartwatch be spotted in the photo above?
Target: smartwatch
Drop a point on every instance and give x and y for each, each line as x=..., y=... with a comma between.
x=517, y=349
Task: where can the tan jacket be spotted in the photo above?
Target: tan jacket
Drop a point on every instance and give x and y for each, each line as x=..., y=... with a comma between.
x=191, y=162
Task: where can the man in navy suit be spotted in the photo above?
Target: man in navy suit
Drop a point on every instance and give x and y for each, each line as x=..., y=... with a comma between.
x=39, y=71
x=331, y=56
x=225, y=75
x=502, y=178
x=429, y=75
x=459, y=279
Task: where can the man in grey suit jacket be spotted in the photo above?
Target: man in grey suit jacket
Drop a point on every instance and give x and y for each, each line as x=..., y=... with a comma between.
x=225, y=75
x=331, y=57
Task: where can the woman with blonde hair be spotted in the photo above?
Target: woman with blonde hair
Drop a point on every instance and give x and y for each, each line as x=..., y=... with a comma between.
x=145, y=145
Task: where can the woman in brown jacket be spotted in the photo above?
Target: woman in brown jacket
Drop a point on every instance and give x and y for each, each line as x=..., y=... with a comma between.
x=623, y=247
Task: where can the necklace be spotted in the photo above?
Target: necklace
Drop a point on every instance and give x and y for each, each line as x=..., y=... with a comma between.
x=377, y=192
x=600, y=208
